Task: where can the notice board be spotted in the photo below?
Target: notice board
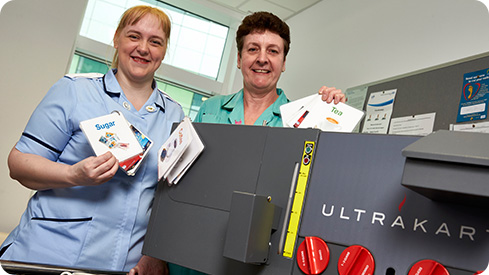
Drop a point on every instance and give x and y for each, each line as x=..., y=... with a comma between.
x=434, y=90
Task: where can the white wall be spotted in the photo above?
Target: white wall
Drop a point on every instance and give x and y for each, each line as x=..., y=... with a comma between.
x=346, y=43
x=37, y=46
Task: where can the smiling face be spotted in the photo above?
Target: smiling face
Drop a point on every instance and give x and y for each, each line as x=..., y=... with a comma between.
x=141, y=48
x=261, y=60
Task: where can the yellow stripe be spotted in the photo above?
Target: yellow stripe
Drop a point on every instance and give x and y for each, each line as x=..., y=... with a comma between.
x=297, y=205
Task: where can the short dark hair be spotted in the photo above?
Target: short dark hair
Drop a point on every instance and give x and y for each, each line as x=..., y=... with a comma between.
x=260, y=22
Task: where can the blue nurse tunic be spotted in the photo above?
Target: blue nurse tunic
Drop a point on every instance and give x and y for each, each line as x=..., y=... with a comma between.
x=96, y=227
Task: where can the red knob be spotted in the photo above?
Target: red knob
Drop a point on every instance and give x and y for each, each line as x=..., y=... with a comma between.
x=428, y=267
x=313, y=255
x=356, y=260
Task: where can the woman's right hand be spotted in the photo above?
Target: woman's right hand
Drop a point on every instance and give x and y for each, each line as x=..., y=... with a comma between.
x=94, y=170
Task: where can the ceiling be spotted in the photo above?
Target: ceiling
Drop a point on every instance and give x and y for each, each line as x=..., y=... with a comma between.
x=282, y=8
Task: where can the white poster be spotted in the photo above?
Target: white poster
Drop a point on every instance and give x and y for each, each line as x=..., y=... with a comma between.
x=379, y=111
x=416, y=125
x=481, y=127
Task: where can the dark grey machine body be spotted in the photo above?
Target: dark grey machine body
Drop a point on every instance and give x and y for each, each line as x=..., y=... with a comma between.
x=354, y=197
x=189, y=221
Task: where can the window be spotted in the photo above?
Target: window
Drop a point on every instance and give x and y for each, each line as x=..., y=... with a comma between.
x=189, y=100
x=199, y=54
x=196, y=43
x=81, y=64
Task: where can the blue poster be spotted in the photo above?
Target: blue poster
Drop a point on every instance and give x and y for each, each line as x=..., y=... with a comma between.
x=473, y=102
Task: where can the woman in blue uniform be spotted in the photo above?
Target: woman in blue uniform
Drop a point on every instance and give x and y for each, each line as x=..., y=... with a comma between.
x=86, y=212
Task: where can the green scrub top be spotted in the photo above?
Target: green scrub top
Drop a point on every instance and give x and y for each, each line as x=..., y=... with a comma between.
x=229, y=109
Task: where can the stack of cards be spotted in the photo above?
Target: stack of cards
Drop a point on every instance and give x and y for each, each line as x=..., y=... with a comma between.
x=113, y=133
x=312, y=112
x=179, y=152
x=131, y=165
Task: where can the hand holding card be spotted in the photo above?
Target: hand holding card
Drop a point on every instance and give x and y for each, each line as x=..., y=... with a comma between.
x=312, y=112
x=113, y=133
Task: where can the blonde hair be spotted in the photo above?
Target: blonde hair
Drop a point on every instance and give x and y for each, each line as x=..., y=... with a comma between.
x=132, y=16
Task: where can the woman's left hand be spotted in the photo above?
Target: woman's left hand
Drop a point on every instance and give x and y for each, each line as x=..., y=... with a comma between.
x=149, y=265
x=330, y=94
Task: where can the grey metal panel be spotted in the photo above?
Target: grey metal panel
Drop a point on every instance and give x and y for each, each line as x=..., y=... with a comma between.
x=451, y=146
x=231, y=160
x=449, y=166
x=448, y=181
x=359, y=174
x=284, y=149
x=249, y=228
x=355, y=196
x=189, y=221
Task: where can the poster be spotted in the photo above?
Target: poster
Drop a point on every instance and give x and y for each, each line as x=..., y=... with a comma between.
x=419, y=125
x=481, y=127
x=356, y=99
x=379, y=110
x=473, y=101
